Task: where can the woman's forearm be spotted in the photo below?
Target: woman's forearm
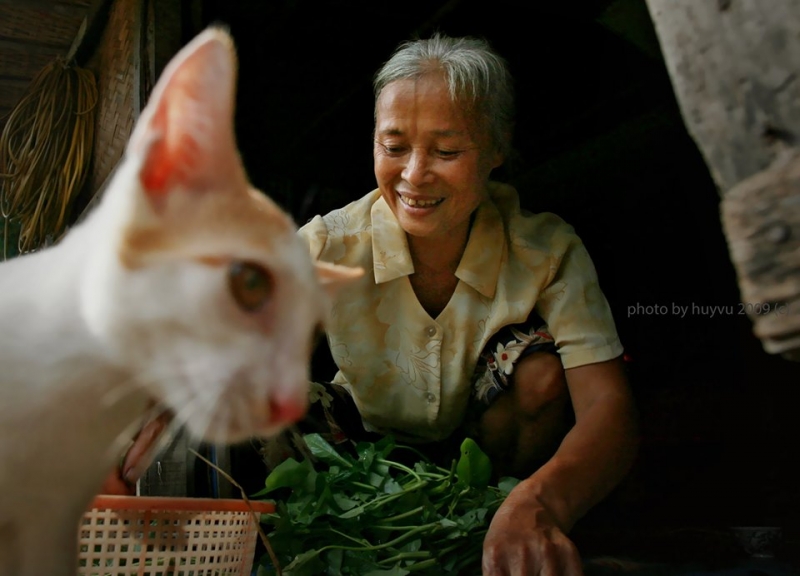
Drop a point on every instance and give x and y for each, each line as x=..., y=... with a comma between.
x=596, y=454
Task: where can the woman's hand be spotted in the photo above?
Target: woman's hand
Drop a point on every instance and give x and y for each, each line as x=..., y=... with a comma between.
x=528, y=533
x=524, y=540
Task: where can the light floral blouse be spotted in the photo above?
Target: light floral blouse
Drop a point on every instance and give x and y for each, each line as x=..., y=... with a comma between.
x=412, y=375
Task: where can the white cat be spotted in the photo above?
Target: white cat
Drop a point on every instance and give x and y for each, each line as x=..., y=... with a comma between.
x=185, y=286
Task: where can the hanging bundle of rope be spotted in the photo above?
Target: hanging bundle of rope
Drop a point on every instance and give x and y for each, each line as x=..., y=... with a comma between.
x=45, y=151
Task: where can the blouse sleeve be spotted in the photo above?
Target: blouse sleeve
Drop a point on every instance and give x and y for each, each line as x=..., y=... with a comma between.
x=575, y=308
x=315, y=233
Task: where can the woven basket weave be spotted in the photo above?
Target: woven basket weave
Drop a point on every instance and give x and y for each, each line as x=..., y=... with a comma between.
x=146, y=536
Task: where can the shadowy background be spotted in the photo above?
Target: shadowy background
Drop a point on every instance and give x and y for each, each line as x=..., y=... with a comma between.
x=600, y=142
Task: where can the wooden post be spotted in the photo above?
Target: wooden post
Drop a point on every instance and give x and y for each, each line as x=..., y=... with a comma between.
x=735, y=69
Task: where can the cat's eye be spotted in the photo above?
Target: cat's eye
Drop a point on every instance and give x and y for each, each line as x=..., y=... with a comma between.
x=251, y=285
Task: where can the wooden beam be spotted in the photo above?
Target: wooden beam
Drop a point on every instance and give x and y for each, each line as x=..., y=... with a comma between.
x=60, y=8
x=27, y=65
x=4, y=113
x=40, y=4
x=15, y=81
x=11, y=94
x=26, y=46
x=734, y=68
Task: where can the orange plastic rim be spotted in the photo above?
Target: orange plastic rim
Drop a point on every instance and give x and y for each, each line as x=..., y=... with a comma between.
x=185, y=504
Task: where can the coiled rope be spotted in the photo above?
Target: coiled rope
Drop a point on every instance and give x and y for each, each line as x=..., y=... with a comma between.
x=45, y=152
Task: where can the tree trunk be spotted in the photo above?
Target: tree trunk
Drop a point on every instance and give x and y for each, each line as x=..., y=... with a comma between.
x=734, y=66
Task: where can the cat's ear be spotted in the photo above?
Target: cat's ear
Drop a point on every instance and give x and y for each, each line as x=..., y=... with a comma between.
x=333, y=276
x=185, y=136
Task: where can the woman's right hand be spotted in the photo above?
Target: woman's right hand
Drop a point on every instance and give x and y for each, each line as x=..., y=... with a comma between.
x=525, y=540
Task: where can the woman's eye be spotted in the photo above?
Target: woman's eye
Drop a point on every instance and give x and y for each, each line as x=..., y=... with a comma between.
x=393, y=150
x=251, y=285
x=448, y=153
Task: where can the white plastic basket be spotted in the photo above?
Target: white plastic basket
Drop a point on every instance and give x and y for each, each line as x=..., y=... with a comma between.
x=148, y=536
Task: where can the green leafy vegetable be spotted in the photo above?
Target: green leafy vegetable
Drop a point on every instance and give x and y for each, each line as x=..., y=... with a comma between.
x=474, y=467
x=288, y=473
x=361, y=513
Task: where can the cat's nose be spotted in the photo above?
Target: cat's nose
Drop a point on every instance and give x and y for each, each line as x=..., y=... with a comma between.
x=287, y=410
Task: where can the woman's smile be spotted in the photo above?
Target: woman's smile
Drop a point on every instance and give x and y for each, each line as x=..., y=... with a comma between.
x=419, y=204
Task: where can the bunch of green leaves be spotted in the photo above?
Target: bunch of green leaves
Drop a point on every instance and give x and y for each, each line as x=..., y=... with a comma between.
x=362, y=513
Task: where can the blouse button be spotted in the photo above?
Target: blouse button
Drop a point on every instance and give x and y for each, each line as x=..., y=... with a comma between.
x=431, y=331
x=430, y=397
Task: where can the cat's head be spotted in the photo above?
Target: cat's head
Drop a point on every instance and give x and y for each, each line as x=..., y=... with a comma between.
x=197, y=283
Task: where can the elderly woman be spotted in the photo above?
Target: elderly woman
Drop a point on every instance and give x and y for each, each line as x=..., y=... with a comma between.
x=474, y=317
x=471, y=306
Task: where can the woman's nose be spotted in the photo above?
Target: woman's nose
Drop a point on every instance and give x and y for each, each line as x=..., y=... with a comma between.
x=417, y=168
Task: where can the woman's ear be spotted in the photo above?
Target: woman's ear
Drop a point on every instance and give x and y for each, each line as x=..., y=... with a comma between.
x=497, y=159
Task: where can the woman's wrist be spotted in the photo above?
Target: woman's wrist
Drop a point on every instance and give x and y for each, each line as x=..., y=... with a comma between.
x=546, y=499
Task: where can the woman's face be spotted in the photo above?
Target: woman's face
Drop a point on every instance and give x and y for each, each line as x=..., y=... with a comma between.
x=432, y=160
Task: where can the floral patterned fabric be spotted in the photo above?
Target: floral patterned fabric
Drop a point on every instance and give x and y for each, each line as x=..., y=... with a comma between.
x=412, y=375
x=510, y=345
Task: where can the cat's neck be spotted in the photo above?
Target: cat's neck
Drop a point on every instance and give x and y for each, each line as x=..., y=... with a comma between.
x=51, y=345
x=55, y=372
x=41, y=300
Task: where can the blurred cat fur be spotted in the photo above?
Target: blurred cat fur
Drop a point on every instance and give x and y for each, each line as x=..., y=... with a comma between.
x=185, y=286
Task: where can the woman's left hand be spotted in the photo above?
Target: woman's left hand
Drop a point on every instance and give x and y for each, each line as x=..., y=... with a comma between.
x=524, y=540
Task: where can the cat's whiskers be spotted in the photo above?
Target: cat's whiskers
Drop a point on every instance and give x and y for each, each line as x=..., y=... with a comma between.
x=224, y=402
x=144, y=380
x=229, y=407
x=191, y=412
x=122, y=389
x=199, y=400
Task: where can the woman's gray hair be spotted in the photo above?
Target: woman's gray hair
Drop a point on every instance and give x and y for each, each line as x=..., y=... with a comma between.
x=476, y=76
